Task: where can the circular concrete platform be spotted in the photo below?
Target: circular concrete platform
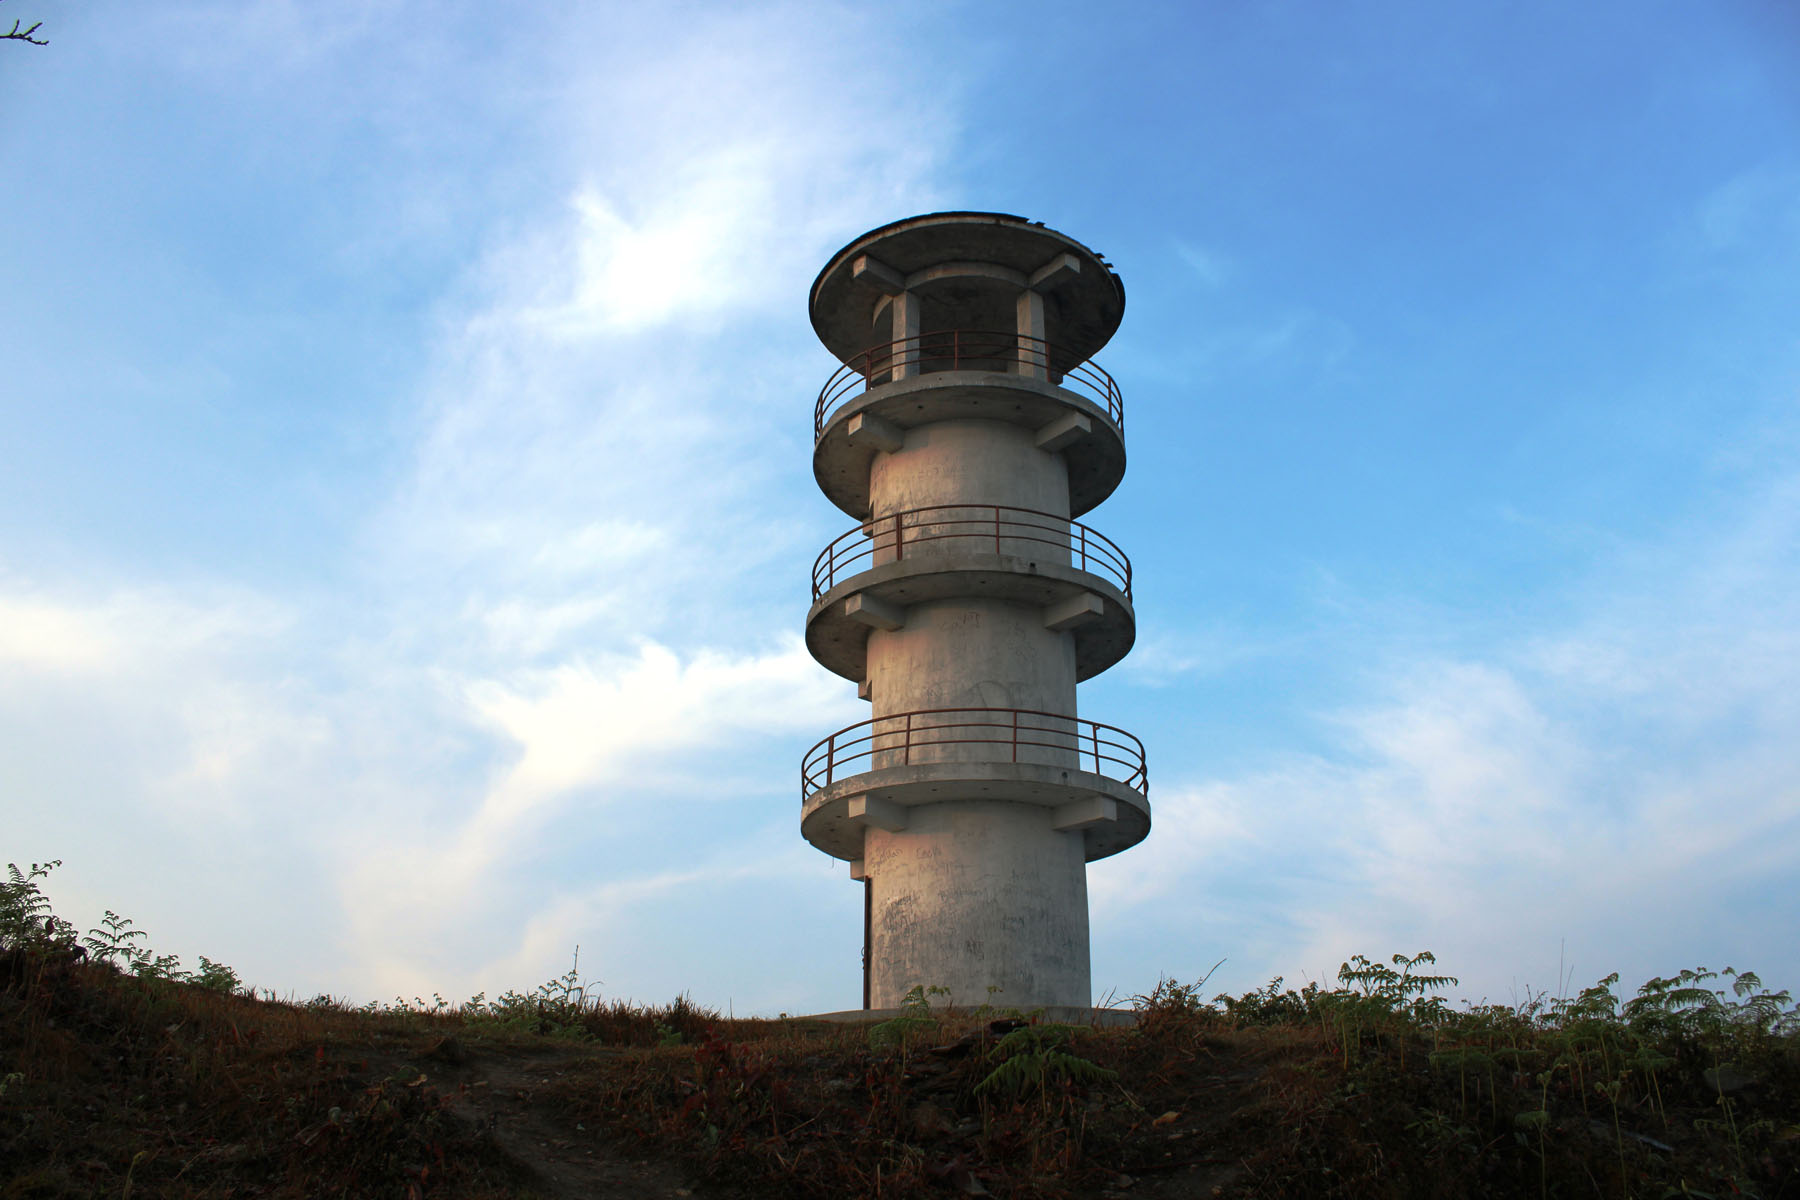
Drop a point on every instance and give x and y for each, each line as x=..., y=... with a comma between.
x=1096, y=462
x=840, y=642
x=825, y=820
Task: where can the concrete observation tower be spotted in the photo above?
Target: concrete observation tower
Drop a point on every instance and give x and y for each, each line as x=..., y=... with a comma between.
x=964, y=432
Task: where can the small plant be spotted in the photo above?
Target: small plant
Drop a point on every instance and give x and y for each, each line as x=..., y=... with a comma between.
x=113, y=941
x=166, y=967
x=25, y=916
x=1035, y=1058
x=1384, y=1001
x=1171, y=998
x=1269, y=1005
x=915, y=1017
x=216, y=977
x=562, y=1007
x=1038, y=1074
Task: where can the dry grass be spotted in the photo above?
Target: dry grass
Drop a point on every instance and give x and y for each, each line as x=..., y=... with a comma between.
x=120, y=1084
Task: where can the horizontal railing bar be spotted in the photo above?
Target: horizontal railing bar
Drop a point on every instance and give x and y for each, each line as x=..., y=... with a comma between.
x=949, y=349
x=902, y=733
x=1088, y=548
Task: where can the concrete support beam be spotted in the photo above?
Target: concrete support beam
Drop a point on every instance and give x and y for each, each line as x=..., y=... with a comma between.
x=1076, y=610
x=966, y=270
x=876, y=614
x=858, y=871
x=1084, y=814
x=873, y=270
x=881, y=814
x=866, y=429
x=1033, y=362
x=862, y=690
x=1064, y=432
x=1056, y=272
x=906, y=335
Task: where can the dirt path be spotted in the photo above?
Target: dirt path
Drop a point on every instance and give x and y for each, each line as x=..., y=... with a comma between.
x=508, y=1095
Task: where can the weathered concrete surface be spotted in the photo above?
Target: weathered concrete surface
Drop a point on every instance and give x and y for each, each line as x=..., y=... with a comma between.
x=978, y=895
x=971, y=653
x=969, y=463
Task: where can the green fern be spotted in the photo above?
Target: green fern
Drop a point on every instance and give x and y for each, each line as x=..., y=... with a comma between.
x=114, y=939
x=1033, y=1057
x=163, y=966
x=216, y=977
x=25, y=916
x=915, y=1017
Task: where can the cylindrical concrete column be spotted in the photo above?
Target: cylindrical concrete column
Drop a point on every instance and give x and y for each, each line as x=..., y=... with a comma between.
x=972, y=896
x=968, y=462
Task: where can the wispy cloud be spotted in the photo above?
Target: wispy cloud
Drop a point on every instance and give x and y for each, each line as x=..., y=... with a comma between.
x=583, y=489
x=1600, y=782
x=583, y=529
x=1753, y=207
x=1208, y=265
x=574, y=607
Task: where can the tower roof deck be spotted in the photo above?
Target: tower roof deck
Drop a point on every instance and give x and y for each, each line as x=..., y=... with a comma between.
x=967, y=270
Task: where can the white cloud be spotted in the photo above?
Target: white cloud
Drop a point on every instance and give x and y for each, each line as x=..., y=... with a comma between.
x=595, y=742
x=585, y=722
x=35, y=635
x=583, y=524
x=60, y=632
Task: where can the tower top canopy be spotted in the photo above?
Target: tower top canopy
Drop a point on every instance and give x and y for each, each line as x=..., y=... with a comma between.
x=968, y=270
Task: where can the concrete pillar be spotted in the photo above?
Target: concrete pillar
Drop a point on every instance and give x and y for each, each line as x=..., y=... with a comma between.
x=907, y=351
x=1033, y=362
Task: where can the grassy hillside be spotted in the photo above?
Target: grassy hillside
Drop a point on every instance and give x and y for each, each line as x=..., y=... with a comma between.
x=123, y=1075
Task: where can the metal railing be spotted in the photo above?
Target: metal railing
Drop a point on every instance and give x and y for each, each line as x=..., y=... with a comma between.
x=981, y=735
x=891, y=538
x=968, y=350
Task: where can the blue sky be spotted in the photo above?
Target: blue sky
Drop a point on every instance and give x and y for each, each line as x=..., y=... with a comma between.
x=406, y=509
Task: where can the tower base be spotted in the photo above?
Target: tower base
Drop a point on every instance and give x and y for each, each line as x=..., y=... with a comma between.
x=986, y=899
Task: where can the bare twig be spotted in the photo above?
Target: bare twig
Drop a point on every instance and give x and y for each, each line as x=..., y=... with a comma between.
x=24, y=35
